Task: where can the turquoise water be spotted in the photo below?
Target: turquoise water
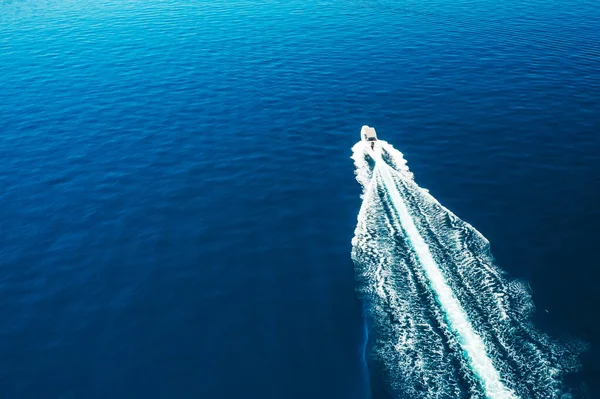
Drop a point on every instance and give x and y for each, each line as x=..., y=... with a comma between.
x=178, y=201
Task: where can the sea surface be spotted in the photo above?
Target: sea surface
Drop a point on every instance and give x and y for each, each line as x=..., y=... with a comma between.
x=179, y=210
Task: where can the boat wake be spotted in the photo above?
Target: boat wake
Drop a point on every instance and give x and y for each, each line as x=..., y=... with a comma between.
x=444, y=322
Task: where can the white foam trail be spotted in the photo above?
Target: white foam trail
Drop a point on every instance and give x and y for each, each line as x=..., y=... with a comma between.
x=471, y=343
x=413, y=338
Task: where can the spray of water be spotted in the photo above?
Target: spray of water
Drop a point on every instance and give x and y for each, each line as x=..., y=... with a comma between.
x=444, y=320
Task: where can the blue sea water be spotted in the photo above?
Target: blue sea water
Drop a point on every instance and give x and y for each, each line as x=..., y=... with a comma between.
x=178, y=200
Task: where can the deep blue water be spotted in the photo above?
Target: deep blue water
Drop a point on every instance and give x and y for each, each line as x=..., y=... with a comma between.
x=178, y=198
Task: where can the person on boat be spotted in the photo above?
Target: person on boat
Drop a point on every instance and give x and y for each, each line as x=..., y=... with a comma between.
x=372, y=145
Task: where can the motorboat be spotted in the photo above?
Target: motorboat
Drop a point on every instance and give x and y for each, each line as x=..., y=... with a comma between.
x=368, y=135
